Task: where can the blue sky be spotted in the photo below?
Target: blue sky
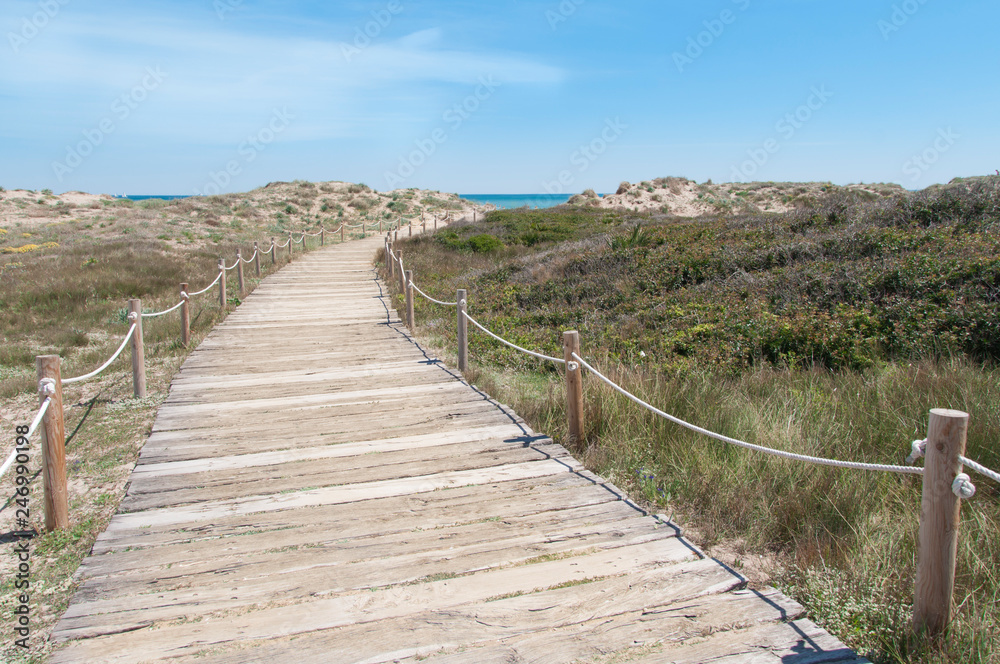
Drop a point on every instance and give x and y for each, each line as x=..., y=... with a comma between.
x=513, y=96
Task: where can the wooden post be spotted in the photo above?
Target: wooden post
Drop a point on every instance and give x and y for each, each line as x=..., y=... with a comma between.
x=423, y=226
x=410, y=320
x=395, y=235
x=274, y=252
x=290, y=245
x=256, y=253
x=939, y=519
x=574, y=386
x=410, y=227
x=138, y=350
x=435, y=222
x=222, y=284
x=53, y=447
x=392, y=264
x=402, y=274
x=322, y=237
x=380, y=226
x=239, y=271
x=463, y=331
x=342, y=232
x=185, y=316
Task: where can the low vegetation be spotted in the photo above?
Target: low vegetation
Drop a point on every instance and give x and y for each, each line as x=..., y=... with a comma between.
x=831, y=329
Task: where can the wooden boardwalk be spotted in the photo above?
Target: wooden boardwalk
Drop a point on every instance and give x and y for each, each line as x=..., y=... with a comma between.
x=317, y=489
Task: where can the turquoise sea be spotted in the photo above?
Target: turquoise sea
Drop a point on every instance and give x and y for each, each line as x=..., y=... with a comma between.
x=518, y=200
x=500, y=200
x=146, y=198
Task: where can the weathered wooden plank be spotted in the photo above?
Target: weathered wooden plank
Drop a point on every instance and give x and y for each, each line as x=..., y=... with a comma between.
x=547, y=527
x=403, y=513
x=294, y=574
x=210, y=511
x=155, y=493
x=670, y=601
x=508, y=434
x=365, y=606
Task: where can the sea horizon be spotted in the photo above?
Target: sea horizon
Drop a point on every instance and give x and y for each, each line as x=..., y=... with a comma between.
x=508, y=201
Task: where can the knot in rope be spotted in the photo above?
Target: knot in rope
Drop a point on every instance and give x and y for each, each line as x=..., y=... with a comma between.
x=185, y=296
x=462, y=302
x=917, y=450
x=963, y=486
x=133, y=316
x=47, y=387
x=573, y=366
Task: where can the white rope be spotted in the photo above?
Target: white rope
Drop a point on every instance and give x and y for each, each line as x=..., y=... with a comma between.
x=750, y=446
x=311, y=234
x=982, y=470
x=251, y=259
x=919, y=448
x=208, y=288
x=31, y=430
x=282, y=246
x=515, y=347
x=232, y=267
x=428, y=297
x=167, y=311
x=963, y=487
x=301, y=239
x=78, y=379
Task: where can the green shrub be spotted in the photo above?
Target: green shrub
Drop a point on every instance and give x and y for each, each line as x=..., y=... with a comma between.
x=485, y=243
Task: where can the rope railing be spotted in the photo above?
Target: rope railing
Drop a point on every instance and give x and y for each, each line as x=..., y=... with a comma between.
x=231, y=267
x=31, y=431
x=905, y=470
x=207, y=288
x=282, y=246
x=166, y=311
x=301, y=239
x=540, y=356
x=431, y=299
x=252, y=258
x=979, y=468
x=80, y=379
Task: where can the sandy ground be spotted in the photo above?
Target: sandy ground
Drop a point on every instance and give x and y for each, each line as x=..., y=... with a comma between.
x=681, y=197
